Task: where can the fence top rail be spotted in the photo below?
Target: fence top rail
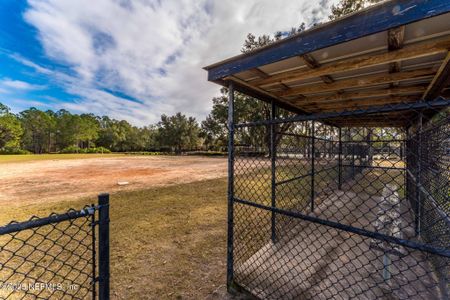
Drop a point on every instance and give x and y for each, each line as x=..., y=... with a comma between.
x=52, y=219
x=420, y=105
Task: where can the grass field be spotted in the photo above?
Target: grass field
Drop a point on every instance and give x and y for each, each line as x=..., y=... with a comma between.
x=166, y=242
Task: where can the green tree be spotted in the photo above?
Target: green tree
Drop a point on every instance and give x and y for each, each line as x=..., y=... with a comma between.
x=178, y=132
x=38, y=129
x=345, y=7
x=87, y=130
x=10, y=129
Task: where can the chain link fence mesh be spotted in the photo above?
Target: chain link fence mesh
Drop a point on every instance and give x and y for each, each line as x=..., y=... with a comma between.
x=350, y=211
x=49, y=258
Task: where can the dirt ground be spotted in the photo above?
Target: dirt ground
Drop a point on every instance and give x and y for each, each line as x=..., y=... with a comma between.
x=42, y=181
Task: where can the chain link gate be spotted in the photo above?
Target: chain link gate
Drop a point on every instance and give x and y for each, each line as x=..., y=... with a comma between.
x=61, y=256
x=330, y=209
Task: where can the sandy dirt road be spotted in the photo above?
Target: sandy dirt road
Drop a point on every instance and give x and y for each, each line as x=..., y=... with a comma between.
x=58, y=179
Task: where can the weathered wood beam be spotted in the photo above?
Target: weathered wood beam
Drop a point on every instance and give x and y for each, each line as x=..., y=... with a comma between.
x=395, y=39
x=259, y=73
x=371, y=124
x=312, y=63
x=440, y=81
x=284, y=87
x=407, y=52
x=243, y=87
x=417, y=89
x=365, y=81
x=347, y=104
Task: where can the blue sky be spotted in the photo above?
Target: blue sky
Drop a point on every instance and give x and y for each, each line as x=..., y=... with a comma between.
x=131, y=60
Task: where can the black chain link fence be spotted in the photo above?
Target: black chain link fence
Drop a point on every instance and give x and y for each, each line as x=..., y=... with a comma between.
x=54, y=257
x=335, y=209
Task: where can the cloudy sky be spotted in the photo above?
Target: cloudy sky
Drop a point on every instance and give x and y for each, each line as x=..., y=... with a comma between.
x=130, y=59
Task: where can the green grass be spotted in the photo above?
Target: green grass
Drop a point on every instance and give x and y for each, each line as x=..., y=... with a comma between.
x=34, y=157
x=166, y=242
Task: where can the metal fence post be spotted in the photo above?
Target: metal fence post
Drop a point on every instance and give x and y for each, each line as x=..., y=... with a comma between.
x=273, y=150
x=103, y=246
x=340, y=160
x=353, y=161
x=230, y=186
x=418, y=206
x=313, y=150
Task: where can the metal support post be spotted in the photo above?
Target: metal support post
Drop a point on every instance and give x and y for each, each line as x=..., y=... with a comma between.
x=353, y=161
x=103, y=247
x=230, y=185
x=418, y=206
x=340, y=160
x=313, y=154
x=273, y=150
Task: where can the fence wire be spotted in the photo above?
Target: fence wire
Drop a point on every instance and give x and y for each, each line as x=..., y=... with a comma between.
x=49, y=258
x=335, y=209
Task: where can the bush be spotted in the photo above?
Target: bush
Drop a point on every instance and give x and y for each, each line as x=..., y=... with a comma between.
x=207, y=153
x=97, y=150
x=146, y=153
x=75, y=149
x=14, y=151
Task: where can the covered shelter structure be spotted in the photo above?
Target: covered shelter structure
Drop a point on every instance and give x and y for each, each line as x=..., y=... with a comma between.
x=344, y=191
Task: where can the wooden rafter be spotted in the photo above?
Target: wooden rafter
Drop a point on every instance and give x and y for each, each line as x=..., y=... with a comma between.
x=259, y=73
x=361, y=103
x=366, y=81
x=440, y=81
x=410, y=90
x=407, y=52
x=395, y=38
x=312, y=63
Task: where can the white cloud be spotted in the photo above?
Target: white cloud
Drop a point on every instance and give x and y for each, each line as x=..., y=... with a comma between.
x=7, y=85
x=152, y=50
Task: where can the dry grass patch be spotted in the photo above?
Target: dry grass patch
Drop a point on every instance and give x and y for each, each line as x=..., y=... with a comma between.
x=167, y=242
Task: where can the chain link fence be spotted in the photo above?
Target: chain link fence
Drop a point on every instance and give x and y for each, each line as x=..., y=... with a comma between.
x=342, y=205
x=56, y=257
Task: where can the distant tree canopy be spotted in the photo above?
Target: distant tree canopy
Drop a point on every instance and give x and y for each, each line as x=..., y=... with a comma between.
x=11, y=129
x=40, y=131
x=345, y=7
x=48, y=131
x=178, y=132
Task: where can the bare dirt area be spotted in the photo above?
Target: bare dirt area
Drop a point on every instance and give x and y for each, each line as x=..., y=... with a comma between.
x=59, y=179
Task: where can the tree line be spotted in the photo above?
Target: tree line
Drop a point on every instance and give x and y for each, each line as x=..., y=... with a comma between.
x=38, y=131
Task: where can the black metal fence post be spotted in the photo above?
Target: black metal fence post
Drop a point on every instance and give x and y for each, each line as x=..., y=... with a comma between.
x=94, y=255
x=418, y=206
x=340, y=160
x=353, y=161
x=103, y=246
x=273, y=150
x=230, y=185
x=313, y=150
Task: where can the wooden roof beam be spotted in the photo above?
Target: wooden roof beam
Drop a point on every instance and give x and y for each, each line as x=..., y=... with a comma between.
x=440, y=81
x=395, y=40
x=397, y=91
x=365, y=81
x=312, y=63
x=362, y=102
x=407, y=52
x=259, y=73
